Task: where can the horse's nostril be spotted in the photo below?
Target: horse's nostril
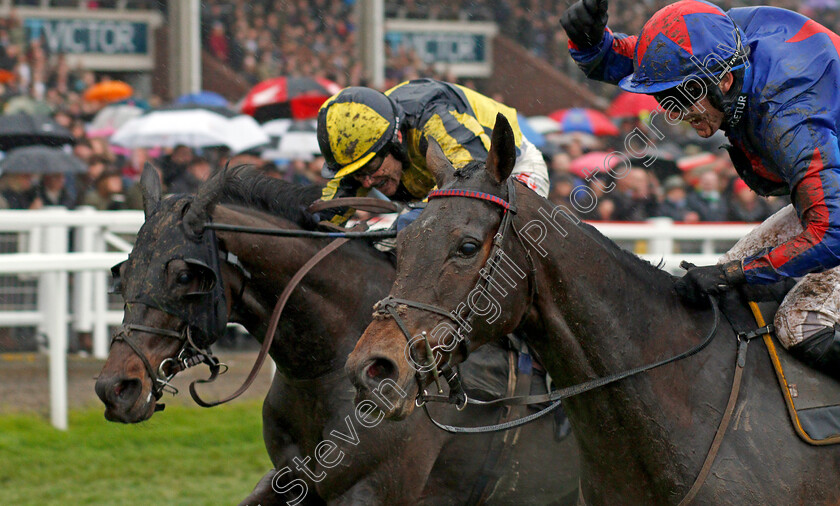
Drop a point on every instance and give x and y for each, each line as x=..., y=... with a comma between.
x=381, y=368
x=128, y=390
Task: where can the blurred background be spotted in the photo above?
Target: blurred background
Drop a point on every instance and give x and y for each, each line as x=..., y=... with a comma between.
x=92, y=89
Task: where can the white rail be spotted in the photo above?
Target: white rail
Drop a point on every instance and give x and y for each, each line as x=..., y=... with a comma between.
x=45, y=237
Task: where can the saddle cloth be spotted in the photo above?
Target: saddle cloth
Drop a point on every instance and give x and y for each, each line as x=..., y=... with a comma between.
x=811, y=397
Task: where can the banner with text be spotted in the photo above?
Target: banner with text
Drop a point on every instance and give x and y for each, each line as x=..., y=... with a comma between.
x=102, y=40
x=464, y=49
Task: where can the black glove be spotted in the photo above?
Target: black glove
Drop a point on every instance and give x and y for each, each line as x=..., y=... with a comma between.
x=585, y=22
x=709, y=279
x=307, y=220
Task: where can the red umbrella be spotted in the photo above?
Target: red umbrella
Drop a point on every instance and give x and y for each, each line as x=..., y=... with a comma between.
x=592, y=163
x=288, y=97
x=584, y=120
x=628, y=105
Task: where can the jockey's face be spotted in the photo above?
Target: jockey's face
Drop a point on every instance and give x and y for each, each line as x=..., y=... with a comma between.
x=386, y=178
x=703, y=117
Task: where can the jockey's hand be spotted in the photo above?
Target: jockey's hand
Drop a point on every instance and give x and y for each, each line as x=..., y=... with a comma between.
x=709, y=279
x=585, y=21
x=309, y=221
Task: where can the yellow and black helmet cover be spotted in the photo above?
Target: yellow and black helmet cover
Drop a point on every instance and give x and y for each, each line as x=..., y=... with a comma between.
x=353, y=126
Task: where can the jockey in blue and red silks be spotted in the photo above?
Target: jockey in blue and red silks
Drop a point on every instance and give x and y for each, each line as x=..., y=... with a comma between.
x=770, y=79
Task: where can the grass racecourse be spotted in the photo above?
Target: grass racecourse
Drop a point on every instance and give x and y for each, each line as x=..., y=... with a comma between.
x=183, y=456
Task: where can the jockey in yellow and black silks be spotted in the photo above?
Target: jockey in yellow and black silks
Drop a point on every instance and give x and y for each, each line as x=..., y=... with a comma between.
x=373, y=140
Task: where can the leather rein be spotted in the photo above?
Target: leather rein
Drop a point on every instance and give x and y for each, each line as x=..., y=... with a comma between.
x=391, y=307
x=191, y=354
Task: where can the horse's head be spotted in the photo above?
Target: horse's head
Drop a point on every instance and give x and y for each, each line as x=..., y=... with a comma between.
x=456, y=286
x=175, y=305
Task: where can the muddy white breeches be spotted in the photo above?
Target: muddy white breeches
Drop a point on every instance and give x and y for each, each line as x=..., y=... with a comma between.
x=814, y=302
x=530, y=168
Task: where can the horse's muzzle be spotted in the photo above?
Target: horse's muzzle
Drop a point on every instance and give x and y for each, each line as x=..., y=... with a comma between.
x=120, y=396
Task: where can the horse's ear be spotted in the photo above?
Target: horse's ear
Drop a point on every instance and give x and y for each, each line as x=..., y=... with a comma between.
x=204, y=202
x=437, y=162
x=502, y=156
x=150, y=184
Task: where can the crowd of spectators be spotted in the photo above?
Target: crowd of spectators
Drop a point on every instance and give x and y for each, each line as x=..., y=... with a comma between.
x=266, y=38
x=697, y=188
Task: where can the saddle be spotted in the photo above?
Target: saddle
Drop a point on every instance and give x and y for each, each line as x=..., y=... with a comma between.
x=811, y=397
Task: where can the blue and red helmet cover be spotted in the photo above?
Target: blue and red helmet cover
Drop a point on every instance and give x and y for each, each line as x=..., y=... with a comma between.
x=678, y=42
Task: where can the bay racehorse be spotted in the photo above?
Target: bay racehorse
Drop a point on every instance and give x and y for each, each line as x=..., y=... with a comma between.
x=174, y=283
x=589, y=309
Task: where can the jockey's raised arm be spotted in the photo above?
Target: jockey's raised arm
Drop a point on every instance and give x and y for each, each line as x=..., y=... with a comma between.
x=768, y=78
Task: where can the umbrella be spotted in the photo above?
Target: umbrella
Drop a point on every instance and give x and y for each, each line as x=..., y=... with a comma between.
x=628, y=105
x=528, y=131
x=584, y=120
x=40, y=160
x=196, y=128
x=22, y=103
x=7, y=76
x=543, y=124
x=20, y=129
x=593, y=162
x=114, y=116
x=221, y=111
x=108, y=91
x=210, y=98
x=288, y=97
x=291, y=139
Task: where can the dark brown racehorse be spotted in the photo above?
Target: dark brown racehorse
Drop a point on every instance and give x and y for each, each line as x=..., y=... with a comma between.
x=590, y=309
x=310, y=400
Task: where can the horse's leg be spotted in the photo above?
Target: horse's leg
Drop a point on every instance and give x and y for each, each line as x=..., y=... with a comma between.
x=401, y=478
x=265, y=495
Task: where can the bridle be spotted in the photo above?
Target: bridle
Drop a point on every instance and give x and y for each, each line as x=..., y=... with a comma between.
x=390, y=307
x=463, y=316
x=490, y=275
x=189, y=355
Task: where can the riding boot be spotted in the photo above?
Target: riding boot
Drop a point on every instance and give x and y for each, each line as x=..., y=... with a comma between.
x=821, y=351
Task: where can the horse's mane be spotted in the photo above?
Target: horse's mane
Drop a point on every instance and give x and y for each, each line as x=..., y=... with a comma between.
x=245, y=186
x=631, y=259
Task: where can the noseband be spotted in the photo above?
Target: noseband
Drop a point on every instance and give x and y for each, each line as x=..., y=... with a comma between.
x=463, y=315
x=188, y=356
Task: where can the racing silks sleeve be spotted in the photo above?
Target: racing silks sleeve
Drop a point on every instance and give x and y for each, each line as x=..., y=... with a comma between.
x=806, y=147
x=610, y=61
x=344, y=186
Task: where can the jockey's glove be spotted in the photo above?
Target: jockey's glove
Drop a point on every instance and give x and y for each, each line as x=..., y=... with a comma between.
x=308, y=220
x=709, y=279
x=585, y=21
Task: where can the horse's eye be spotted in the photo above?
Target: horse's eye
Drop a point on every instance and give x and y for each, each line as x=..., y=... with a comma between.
x=468, y=249
x=185, y=278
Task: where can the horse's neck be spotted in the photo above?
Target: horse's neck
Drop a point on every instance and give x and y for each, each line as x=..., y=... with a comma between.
x=601, y=312
x=325, y=313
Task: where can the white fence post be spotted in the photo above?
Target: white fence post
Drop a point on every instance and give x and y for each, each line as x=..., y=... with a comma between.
x=83, y=285
x=100, y=303
x=37, y=240
x=55, y=325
